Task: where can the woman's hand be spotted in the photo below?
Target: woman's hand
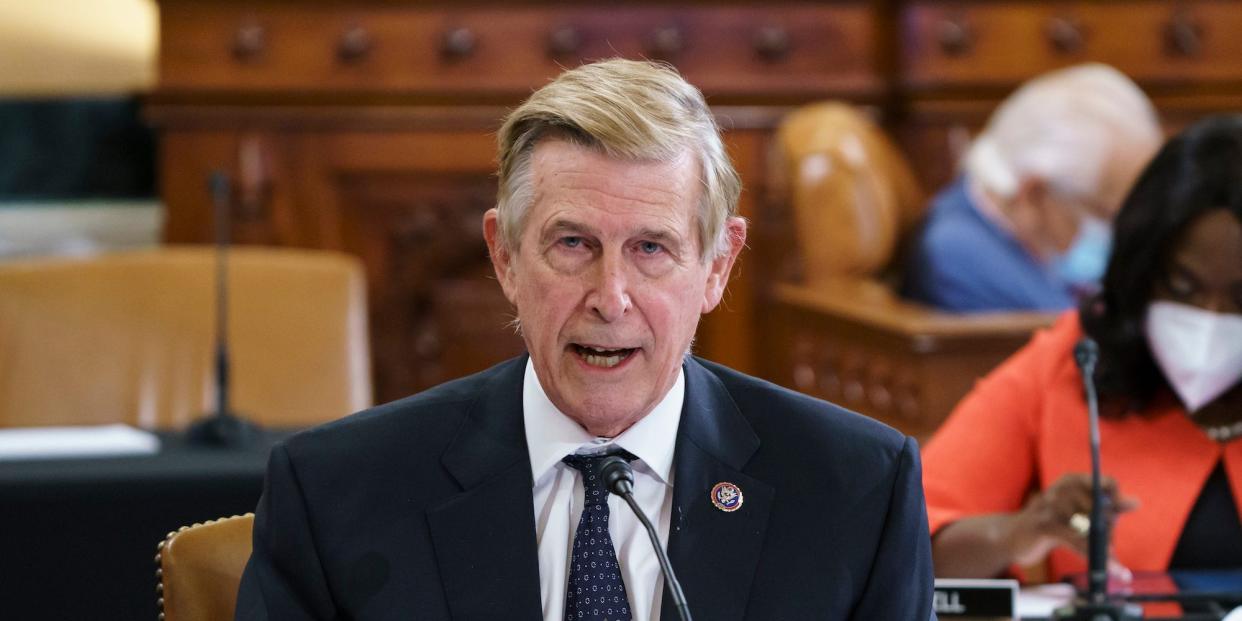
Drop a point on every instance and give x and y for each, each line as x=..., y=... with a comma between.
x=984, y=546
x=1047, y=519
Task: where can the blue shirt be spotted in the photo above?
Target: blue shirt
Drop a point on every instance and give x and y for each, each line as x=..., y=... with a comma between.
x=963, y=262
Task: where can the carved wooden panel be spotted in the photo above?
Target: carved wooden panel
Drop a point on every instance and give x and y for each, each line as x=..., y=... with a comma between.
x=257, y=163
x=436, y=311
x=856, y=345
x=364, y=126
x=790, y=48
x=962, y=44
x=369, y=127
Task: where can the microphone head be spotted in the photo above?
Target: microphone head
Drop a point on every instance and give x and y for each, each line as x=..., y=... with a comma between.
x=1086, y=352
x=618, y=475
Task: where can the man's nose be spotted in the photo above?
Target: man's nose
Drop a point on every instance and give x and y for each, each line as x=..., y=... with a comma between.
x=609, y=297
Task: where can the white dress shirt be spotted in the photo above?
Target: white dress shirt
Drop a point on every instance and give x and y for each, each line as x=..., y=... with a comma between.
x=550, y=436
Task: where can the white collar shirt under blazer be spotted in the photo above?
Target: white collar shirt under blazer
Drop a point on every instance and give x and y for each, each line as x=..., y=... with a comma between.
x=550, y=436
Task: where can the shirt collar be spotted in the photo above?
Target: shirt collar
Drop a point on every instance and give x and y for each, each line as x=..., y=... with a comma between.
x=551, y=435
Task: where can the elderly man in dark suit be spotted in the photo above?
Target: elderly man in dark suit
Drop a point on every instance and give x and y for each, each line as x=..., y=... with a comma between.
x=615, y=230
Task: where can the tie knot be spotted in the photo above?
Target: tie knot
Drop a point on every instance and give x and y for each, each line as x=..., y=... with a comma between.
x=590, y=464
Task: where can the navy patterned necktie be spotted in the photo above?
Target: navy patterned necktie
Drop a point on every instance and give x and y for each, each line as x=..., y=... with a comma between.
x=596, y=591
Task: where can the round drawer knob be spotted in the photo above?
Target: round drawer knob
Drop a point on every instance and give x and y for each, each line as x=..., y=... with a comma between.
x=355, y=44
x=773, y=43
x=1184, y=35
x=564, y=41
x=459, y=43
x=955, y=36
x=1066, y=35
x=249, y=41
x=666, y=43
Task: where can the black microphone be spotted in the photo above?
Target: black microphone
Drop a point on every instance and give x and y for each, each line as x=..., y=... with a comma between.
x=222, y=428
x=619, y=478
x=1086, y=354
x=1097, y=606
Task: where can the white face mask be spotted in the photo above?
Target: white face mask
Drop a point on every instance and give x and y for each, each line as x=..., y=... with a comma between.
x=1199, y=351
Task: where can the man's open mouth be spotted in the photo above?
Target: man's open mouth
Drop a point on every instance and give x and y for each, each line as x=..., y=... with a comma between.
x=603, y=358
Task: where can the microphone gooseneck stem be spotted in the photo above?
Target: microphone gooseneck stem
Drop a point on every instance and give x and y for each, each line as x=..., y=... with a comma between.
x=1096, y=606
x=220, y=199
x=619, y=479
x=1097, y=534
x=674, y=587
x=222, y=428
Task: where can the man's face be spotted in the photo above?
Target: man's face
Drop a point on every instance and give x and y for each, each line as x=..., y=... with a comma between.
x=608, y=279
x=1049, y=221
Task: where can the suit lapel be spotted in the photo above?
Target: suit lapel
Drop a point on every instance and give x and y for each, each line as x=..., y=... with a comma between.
x=484, y=537
x=714, y=552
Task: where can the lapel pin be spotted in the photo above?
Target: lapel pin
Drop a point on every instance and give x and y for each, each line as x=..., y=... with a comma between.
x=727, y=497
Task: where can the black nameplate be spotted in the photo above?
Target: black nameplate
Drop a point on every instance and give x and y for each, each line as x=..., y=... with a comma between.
x=955, y=599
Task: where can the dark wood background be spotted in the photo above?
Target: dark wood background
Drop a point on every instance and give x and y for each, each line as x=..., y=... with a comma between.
x=368, y=127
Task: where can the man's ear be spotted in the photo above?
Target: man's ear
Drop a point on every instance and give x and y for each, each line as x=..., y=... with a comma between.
x=499, y=252
x=720, y=267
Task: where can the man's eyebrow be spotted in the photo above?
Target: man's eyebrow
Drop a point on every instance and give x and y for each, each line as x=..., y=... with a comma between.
x=561, y=226
x=663, y=236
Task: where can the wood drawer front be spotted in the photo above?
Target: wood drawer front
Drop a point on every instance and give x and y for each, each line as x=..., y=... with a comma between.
x=1003, y=43
x=792, y=49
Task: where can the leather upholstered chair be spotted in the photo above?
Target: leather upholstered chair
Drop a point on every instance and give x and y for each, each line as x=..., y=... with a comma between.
x=853, y=196
x=129, y=337
x=840, y=331
x=199, y=569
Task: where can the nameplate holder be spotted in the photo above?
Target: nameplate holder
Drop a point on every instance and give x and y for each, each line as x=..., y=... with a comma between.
x=956, y=598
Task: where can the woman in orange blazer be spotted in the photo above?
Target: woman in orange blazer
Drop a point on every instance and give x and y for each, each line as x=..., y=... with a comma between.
x=1005, y=476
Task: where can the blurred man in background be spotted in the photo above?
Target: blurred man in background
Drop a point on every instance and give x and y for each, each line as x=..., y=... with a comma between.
x=1028, y=224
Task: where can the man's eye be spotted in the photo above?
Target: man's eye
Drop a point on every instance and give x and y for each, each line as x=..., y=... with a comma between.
x=649, y=247
x=571, y=242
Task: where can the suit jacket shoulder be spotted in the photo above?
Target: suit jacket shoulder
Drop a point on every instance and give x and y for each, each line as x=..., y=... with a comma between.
x=400, y=431
x=390, y=513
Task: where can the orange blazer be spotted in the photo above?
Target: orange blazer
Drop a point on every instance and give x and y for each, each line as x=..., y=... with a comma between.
x=1025, y=425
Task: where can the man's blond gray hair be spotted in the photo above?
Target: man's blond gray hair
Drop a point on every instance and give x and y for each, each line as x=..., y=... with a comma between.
x=629, y=110
x=1063, y=127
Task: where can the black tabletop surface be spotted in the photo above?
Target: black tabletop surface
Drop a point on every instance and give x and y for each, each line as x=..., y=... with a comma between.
x=78, y=536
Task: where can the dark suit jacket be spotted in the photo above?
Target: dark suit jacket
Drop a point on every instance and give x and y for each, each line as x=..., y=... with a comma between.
x=422, y=509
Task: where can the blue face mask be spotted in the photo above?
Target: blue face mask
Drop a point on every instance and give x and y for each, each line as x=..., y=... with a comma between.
x=1083, y=263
